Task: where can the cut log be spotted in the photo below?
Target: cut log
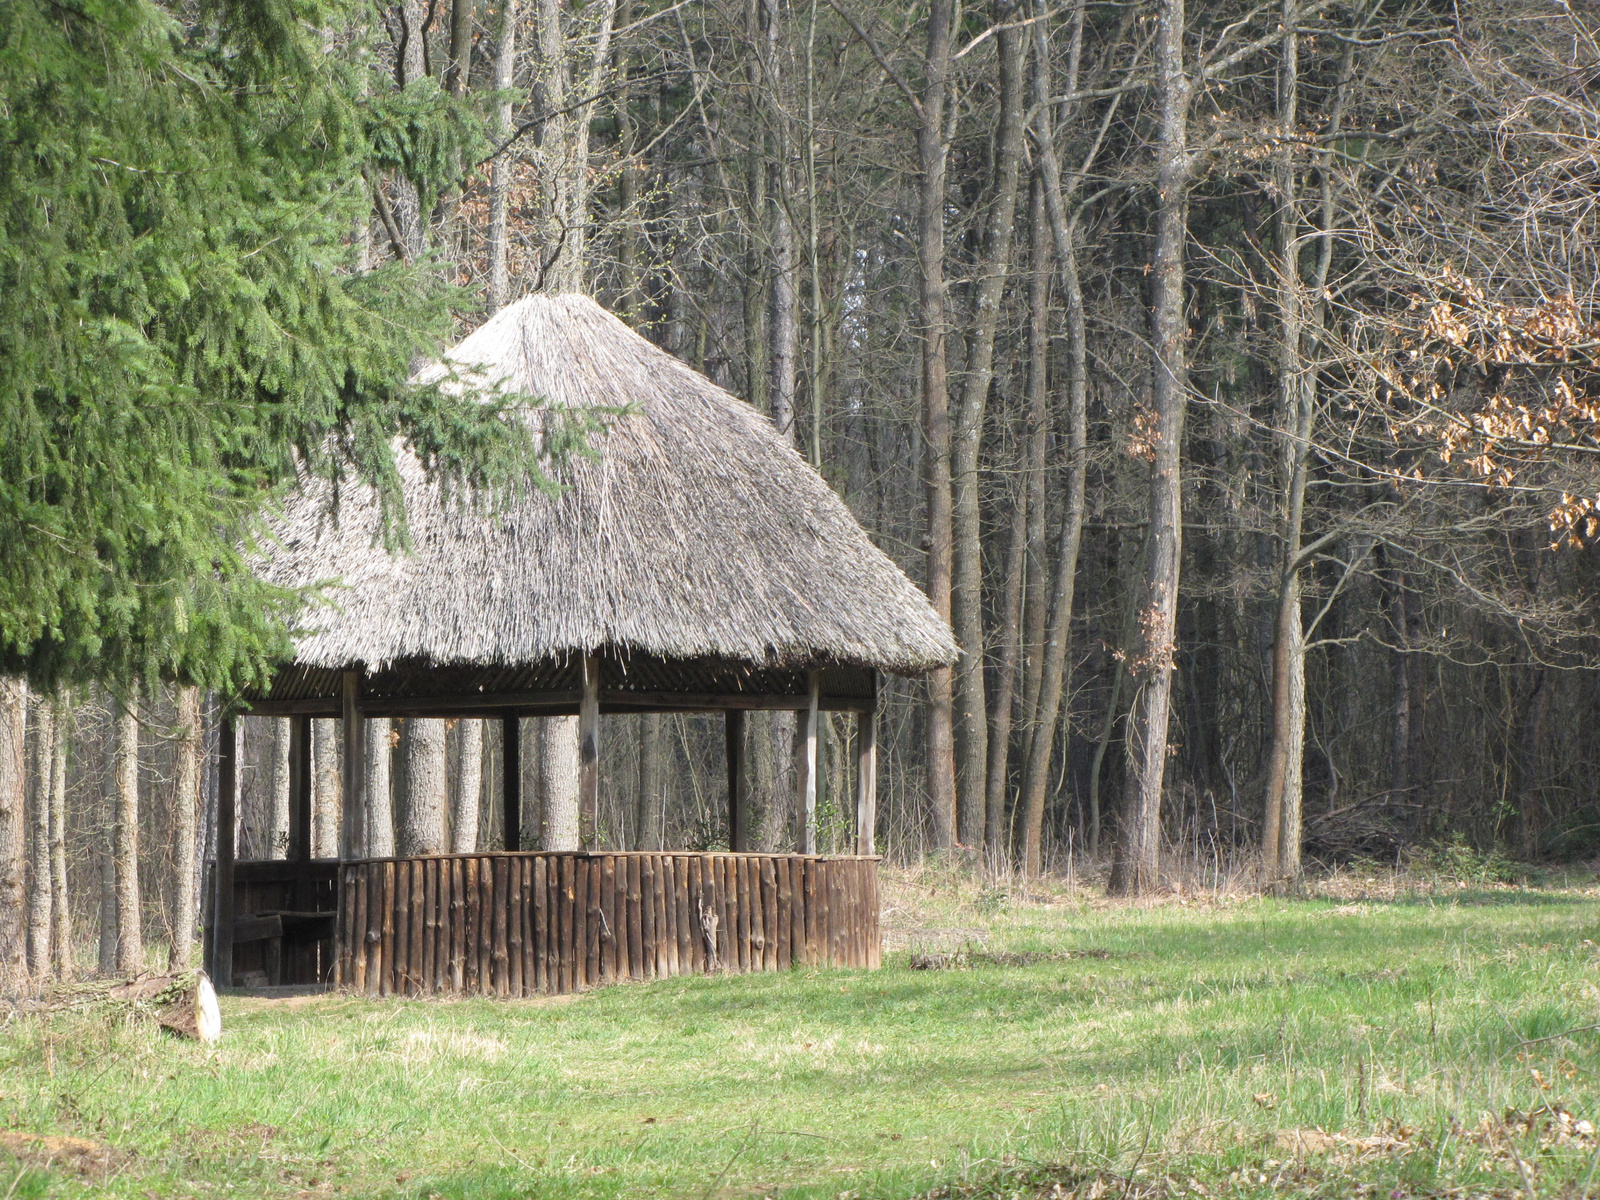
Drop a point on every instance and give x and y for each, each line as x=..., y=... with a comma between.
x=184, y=1004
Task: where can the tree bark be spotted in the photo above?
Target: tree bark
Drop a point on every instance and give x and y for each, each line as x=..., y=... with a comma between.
x=61, y=911
x=186, y=824
x=41, y=893
x=558, y=777
x=326, y=790
x=505, y=65
x=13, y=835
x=993, y=268
x=278, y=796
x=125, y=843
x=460, y=70
x=1137, y=868
x=426, y=799
x=469, y=789
x=650, y=778
x=380, y=787
x=932, y=157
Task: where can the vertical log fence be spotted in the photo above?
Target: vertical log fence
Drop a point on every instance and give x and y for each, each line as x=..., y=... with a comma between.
x=525, y=924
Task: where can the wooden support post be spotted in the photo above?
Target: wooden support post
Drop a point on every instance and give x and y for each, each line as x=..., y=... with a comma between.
x=352, y=826
x=299, y=789
x=589, y=750
x=511, y=779
x=222, y=876
x=866, y=782
x=806, y=809
x=738, y=785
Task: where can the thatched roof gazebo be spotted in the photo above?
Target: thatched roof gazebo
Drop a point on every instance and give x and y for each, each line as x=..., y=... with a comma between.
x=693, y=562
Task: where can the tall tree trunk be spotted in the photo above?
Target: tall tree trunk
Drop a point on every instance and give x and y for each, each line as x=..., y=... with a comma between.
x=1281, y=815
x=1018, y=654
x=650, y=776
x=932, y=158
x=61, y=911
x=125, y=842
x=558, y=777
x=1282, y=833
x=1530, y=741
x=1053, y=655
x=564, y=146
x=1138, y=863
x=505, y=65
x=107, y=959
x=186, y=824
x=278, y=797
x=469, y=789
x=13, y=833
x=327, y=788
x=460, y=69
x=380, y=787
x=426, y=804
x=994, y=265
x=783, y=318
x=41, y=893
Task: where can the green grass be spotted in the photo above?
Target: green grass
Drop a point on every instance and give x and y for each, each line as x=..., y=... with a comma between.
x=1186, y=1056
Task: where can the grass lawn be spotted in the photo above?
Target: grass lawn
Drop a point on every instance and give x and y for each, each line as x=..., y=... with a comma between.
x=1441, y=1040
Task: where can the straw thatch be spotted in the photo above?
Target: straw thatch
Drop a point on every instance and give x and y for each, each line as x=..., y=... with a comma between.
x=696, y=533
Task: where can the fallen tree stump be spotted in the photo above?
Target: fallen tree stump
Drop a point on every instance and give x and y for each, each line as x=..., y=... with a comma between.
x=184, y=1004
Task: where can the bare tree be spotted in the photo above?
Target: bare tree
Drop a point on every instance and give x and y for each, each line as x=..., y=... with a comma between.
x=992, y=270
x=1150, y=659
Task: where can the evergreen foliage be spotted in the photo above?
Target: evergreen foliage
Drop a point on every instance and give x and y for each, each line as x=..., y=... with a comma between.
x=182, y=326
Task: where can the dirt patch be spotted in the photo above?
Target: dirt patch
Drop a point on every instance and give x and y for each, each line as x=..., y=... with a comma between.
x=91, y=1159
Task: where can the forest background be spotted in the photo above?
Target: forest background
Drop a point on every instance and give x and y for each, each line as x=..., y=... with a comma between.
x=1226, y=374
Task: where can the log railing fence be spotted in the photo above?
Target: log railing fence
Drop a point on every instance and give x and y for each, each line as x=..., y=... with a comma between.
x=523, y=924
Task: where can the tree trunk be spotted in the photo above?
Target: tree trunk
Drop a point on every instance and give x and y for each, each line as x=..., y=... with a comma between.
x=186, y=824
x=564, y=146
x=1138, y=863
x=505, y=65
x=41, y=893
x=380, y=788
x=469, y=789
x=932, y=157
x=278, y=796
x=1019, y=656
x=1053, y=655
x=61, y=912
x=425, y=806
x=125, y=842
x=649, y=808
x=1280, y=832
x=994, y=265
x=460, y=47
x=558, y=777
x=13, y=835
x=327, y=789
x=107, y=961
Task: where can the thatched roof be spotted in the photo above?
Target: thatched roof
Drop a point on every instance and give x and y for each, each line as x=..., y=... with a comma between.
x=697, y=533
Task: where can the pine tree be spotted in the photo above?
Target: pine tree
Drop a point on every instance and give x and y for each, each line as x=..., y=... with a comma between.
x=183, y=327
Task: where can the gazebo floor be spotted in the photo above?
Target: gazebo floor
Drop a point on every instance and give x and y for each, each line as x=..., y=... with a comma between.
x=537, y=923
